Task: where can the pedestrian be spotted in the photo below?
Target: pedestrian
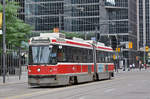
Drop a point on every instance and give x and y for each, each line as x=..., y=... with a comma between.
x=130, y=67
x=123, y=67
x=145, y=66
x=140, y=65
x=133, y=65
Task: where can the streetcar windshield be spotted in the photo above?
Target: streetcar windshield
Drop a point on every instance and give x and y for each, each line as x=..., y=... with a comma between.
x=41, y=55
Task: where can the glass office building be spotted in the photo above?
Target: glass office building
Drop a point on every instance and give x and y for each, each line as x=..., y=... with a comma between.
x=68, y=15
x=122, y=14
x=143, y=14
x=107, y=17
x=44, y=15
x=21, y=12
x=84, y=15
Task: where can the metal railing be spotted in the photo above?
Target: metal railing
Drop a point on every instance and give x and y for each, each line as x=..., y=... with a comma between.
x=13, y=57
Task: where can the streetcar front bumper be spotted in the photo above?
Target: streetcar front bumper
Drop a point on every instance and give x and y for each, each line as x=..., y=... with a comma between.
x=47, y=80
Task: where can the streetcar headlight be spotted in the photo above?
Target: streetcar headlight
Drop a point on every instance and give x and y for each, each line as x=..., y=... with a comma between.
x=29, y=70
x=50, y=70
x=38, y=69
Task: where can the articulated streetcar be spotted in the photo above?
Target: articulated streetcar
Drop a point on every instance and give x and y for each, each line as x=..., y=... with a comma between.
x=55, y=60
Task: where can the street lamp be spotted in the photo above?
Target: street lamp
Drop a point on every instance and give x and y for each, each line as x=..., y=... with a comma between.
x=60, y=19
x=117, y=62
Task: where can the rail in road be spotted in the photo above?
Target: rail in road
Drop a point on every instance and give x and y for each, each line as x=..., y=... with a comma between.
x=124, y=86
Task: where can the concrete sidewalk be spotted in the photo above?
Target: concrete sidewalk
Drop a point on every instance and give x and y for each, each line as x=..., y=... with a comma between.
x=132, y=70
x=13, y=79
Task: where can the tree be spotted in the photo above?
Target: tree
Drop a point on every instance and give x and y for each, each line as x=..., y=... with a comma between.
x=16, y=30
x=71, y=35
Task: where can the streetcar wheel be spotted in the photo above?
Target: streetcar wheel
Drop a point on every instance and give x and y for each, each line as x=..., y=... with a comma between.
x=75, y=80
x=95, y=78
x=110, y=74
x=71, y=80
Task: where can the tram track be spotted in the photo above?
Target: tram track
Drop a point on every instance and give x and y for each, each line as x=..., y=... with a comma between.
x=81, y=90
x=54, y=91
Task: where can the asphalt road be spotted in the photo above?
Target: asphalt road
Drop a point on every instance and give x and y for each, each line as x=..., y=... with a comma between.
x=125, y=85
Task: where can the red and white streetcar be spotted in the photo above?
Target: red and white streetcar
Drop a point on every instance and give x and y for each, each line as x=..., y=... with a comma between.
x=55, y=60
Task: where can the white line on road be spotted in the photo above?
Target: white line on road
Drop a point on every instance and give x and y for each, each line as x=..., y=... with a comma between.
x=109, y=90
x=81, y=98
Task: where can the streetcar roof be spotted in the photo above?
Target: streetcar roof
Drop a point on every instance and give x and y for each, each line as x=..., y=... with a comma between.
x=58, y=38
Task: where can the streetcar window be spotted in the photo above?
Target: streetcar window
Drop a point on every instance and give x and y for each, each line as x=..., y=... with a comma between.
x=106, y=56
x=56, y=53
x=42, y=55
x=61, y=54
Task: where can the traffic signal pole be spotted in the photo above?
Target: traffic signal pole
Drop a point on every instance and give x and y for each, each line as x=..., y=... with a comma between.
x=117, y=55
x=4, y=42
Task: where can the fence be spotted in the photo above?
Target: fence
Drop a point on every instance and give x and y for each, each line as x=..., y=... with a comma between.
x=15, y=58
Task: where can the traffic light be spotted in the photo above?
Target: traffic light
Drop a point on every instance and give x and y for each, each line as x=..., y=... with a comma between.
x=114, y=56
x=130, y=45
x=1, y=16
x=56, y=30
x=97, y=36
x=113, y=42
x=118, y=49
x=146, y=48
x=137, y=58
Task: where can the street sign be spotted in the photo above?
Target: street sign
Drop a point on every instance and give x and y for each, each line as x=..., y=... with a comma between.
x=0, y=31
x=93, y=38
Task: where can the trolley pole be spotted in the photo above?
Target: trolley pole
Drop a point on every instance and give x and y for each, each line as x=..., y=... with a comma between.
x=4, y=42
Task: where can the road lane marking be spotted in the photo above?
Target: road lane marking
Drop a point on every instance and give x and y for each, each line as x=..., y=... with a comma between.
x=129, y=85
x=82, y=97
x=5, y=84
x=109, y=90
x=33, y=93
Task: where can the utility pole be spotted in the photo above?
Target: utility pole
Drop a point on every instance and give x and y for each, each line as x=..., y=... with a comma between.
x=20, y=68
x=60, y=20
x=94, y=60
x=4, y=42
x=144, y=28
x=138, y=35
x=96, y=29
x=94, y=53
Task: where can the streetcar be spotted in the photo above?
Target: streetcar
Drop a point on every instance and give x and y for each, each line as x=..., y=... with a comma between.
x=55, y=60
